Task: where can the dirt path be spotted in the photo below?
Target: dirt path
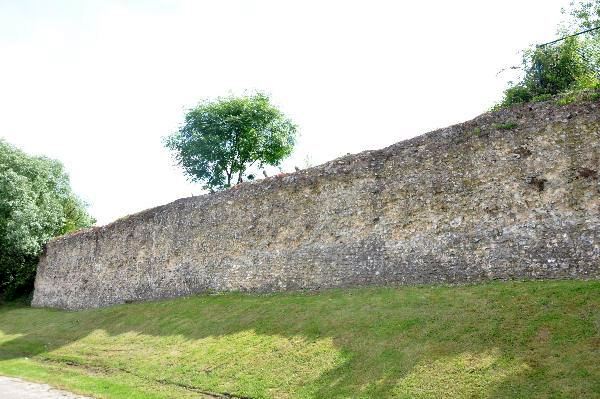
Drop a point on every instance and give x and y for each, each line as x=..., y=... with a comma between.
x=14, y=388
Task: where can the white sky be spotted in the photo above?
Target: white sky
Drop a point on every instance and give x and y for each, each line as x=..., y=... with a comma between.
x=97, y=84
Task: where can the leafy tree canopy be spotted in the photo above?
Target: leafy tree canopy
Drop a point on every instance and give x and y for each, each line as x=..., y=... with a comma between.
x=571, y=64
x=36, y=204
x=586, y=13
x=551, y=70
x=222, y=139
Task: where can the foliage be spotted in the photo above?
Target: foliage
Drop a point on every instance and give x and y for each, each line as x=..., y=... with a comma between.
x=567, y=66
x=517, y=94
x=586, y=13
x=36, y=204
x=498, y=340
x=505, y=126
x=551, y=70
x=476, y=132
x=223, y=138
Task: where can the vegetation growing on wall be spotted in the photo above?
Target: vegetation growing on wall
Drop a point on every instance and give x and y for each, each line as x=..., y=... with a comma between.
x=564, y=67
x=552, y=70
x=36, y=204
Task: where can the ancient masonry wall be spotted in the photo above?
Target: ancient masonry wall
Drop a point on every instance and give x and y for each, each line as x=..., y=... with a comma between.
x=510, y=195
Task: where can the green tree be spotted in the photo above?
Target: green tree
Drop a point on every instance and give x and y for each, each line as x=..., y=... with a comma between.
x=586, y=13
x=36, y=204
x=554, y=69
x=551, y=70
x=222, y=139
x=565, y=66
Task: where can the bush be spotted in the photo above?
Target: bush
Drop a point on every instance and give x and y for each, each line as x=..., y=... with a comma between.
x=517, y=94
x=554, y=69
x=36, y=204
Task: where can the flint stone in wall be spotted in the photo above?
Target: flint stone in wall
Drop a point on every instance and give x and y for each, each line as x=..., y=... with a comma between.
x=469, y=203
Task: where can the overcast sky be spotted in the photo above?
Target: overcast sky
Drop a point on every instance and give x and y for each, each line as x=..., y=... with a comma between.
x=97, y=84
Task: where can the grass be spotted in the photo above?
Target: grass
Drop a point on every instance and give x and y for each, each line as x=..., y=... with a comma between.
x=498, y=340
x=578, y=95
x=476, y=132
x=589, y=91
x=505, y=126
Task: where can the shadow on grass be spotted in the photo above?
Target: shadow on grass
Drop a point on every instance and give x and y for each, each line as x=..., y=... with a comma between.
x=534, y=339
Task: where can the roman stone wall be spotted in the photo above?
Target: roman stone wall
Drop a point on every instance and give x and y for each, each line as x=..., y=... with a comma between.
x=510, y=195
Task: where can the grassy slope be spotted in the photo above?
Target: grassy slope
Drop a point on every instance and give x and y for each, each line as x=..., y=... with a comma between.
x=534, y=339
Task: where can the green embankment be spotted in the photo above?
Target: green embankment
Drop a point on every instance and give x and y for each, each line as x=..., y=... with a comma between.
x=527, y=340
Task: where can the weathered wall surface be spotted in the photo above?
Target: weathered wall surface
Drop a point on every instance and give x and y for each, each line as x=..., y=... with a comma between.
x=472, y=202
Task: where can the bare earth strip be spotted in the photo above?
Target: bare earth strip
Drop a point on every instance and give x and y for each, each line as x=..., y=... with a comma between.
x=14, y=388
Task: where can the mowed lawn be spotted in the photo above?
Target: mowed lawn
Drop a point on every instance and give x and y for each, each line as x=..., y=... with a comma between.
x=498, y=340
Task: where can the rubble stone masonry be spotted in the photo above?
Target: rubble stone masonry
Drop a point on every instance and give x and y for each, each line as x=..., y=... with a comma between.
x=513, y=194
